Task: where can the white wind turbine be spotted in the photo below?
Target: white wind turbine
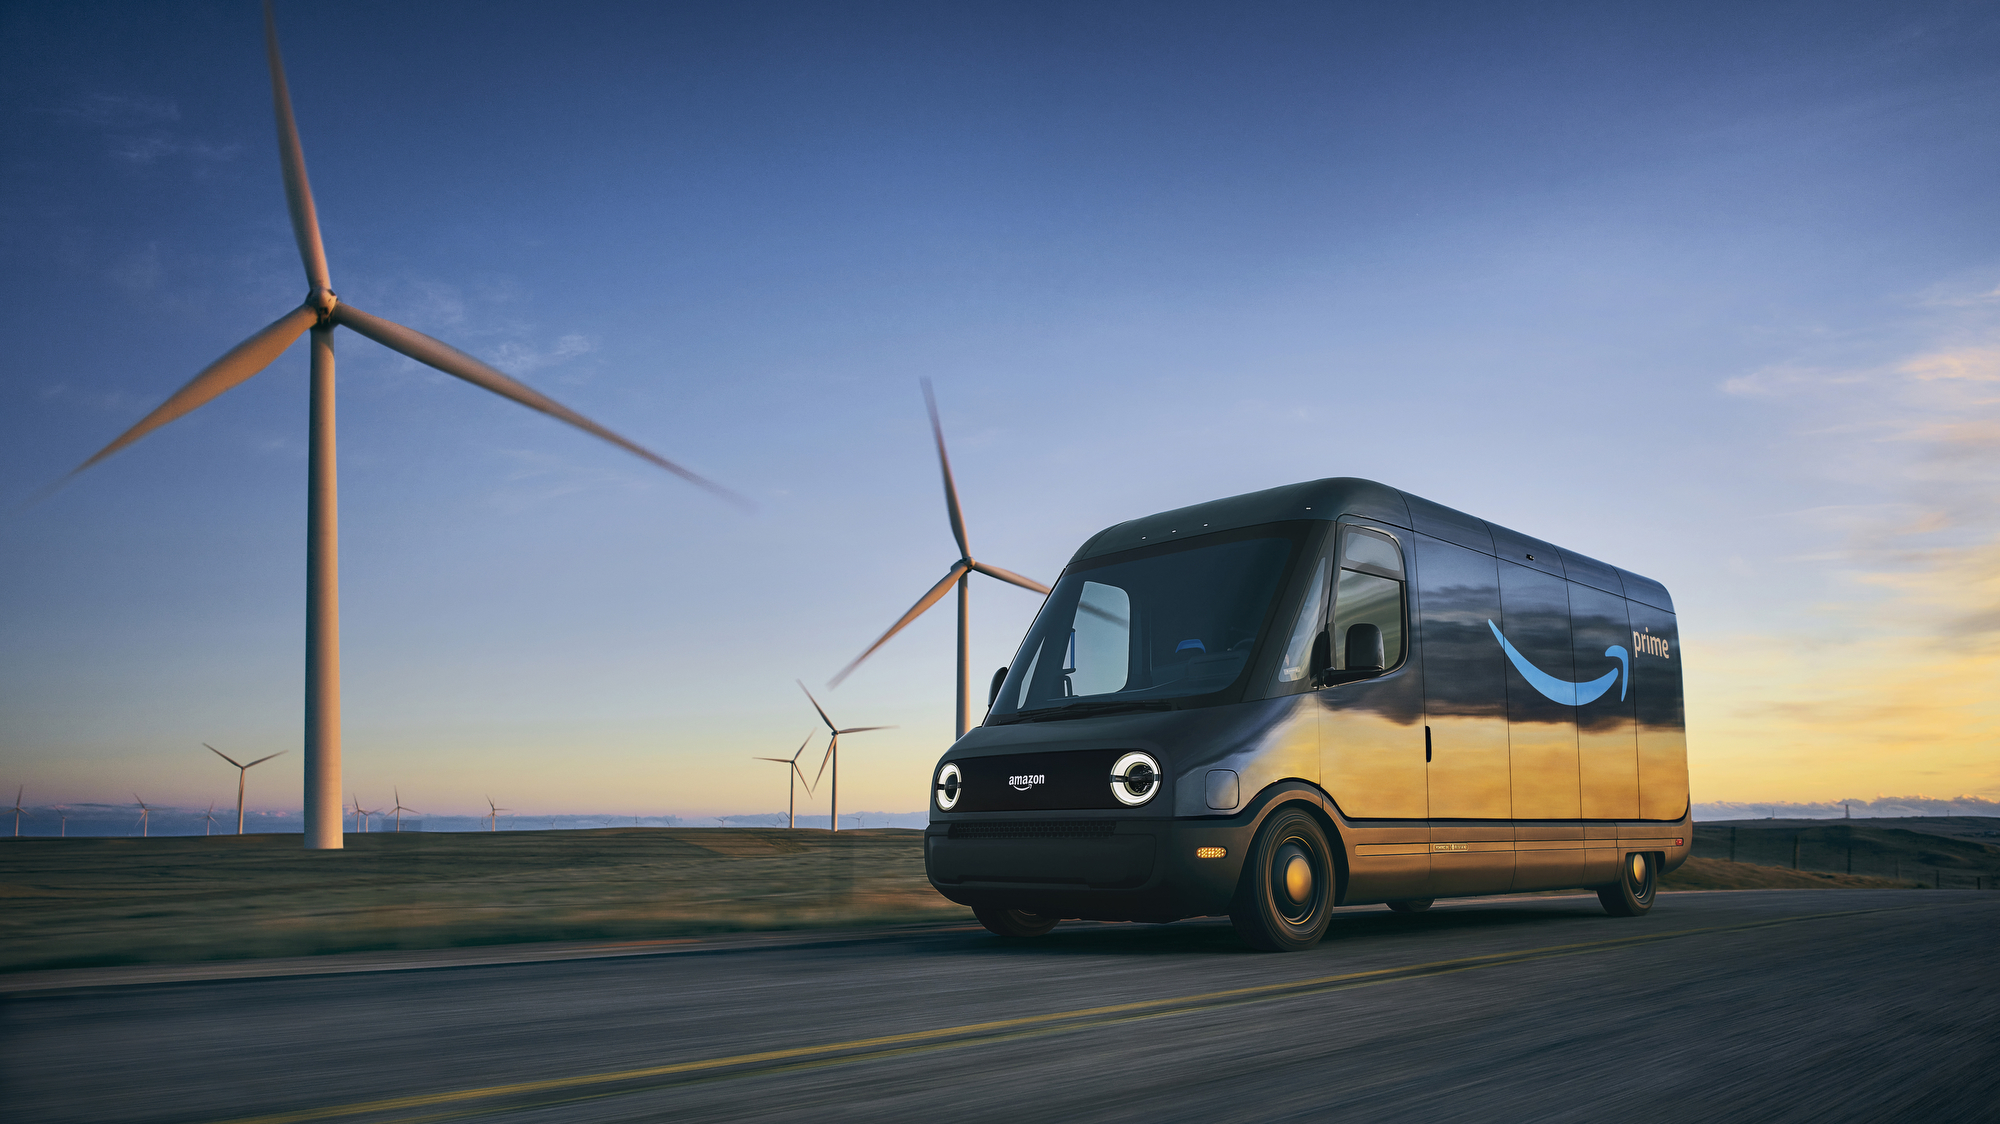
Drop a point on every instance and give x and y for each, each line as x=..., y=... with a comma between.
x=242, y=770
x=20, y=811
x=321, y=313
x=145, y=828
x=208, y=820
x=960, y=574
x=493, y=815
x=791, y=782
x=399, y=810
x=833, y=754
x=361, y=814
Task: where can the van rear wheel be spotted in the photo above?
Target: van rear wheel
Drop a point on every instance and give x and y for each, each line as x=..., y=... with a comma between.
x=1285, y=899
x=1632, y=894
x=1015, y=922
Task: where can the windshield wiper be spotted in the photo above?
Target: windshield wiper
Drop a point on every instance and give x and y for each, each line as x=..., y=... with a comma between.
x=1087, y=709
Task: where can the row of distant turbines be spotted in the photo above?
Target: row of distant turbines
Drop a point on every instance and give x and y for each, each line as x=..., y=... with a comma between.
x=319, y=315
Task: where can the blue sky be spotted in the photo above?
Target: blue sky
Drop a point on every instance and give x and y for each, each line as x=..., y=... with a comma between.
x=1710, y=292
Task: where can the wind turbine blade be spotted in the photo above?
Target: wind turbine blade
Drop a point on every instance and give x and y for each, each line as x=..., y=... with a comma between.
x=267, y=757
x=292, y=158
x=779, y=760
x=958, y=570
x=795, y=756
x=944, y=463
x=235, y=366
x=865, y=729
x=1011, y=578
x=816, y=706
x=823, y=759
x=450, y=360
x=221, y=754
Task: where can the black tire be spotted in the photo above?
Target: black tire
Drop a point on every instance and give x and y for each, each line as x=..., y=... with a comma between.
x=1015, y=922
x=1286, y=897
x=1638, y=881
x=1413, y=905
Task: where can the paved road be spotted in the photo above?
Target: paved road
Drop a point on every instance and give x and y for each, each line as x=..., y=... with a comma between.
x=1751, y=1006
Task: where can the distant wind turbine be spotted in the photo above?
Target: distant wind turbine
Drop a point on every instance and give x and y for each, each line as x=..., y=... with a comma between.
x=792, y=781
x=321, y=313
x=144, y=828
x=241, y=770
x=361, y=814
x=20, y=811
x=208, y=820
x=833, y=753
x=960, y=574
x=493, y=815
x=399, y=810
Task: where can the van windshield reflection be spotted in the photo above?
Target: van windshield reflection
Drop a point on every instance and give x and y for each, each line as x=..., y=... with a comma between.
x=1172, y=624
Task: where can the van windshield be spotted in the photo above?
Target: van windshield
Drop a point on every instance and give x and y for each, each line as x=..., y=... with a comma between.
x=1166, y=623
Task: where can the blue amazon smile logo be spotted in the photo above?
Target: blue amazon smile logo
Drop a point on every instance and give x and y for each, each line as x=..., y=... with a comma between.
x=1562, y=690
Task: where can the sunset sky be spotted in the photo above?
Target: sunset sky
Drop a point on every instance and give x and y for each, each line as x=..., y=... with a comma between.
x=1711, y=292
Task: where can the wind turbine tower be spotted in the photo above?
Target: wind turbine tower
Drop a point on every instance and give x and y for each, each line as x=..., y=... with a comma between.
x=20, y=811
x=792, y=781
x=960, y=574
x=208, y=820
x=241, y=770
x=145, y=829
x=833, y=753
x=320, y=314
x=493, y=815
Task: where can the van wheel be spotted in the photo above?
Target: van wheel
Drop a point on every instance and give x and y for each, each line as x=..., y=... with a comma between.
x=1015, y=922
x=1286, y=897
x=1414, y=905
x=1632, y=894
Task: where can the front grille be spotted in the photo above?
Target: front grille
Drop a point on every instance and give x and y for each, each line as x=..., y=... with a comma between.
x=1035, y=829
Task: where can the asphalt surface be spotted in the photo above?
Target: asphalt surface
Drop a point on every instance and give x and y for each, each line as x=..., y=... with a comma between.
x=1811, y=1005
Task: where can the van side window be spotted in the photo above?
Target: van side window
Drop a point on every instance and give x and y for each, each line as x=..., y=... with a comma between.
x=1369, y=591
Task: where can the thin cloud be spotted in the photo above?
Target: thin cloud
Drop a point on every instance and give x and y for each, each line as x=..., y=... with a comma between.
x=1899, y=666
x=120, y=111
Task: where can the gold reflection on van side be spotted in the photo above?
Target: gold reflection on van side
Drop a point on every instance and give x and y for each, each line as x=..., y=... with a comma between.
x=1663, y=773
x=1543, y=764
x=1374, y=768
x=1608, y=764
x=1469, y=775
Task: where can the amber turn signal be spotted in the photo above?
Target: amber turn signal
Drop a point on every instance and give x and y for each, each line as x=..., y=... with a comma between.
x=1210, y=852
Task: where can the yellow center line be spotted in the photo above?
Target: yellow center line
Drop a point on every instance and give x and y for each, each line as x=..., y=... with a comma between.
x=998, y=1029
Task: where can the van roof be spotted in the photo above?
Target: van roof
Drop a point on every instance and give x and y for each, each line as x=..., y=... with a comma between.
x=1336, y=496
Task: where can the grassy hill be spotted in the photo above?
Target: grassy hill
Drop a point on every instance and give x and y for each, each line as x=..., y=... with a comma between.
x=76, y=902
x=1934, y=851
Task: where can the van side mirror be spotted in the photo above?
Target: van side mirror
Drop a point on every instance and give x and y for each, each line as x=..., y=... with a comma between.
x=1364, y=648
x=993, y=692
x=1322, y=657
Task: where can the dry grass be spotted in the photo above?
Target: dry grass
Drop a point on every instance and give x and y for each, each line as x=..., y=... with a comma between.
x=82, y=902
x=1721, y=874
x=85, y=902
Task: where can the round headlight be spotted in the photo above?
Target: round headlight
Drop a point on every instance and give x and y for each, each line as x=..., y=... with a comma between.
x=1135, y=778
x=949, y=782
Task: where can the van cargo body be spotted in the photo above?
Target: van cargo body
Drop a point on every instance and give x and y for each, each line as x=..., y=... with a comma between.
x=1440, y=705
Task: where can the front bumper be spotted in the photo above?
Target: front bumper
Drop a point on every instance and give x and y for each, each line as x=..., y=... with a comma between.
x=1093, y=867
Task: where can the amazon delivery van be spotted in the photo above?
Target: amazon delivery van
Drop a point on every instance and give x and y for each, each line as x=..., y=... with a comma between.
x=1330, y=693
